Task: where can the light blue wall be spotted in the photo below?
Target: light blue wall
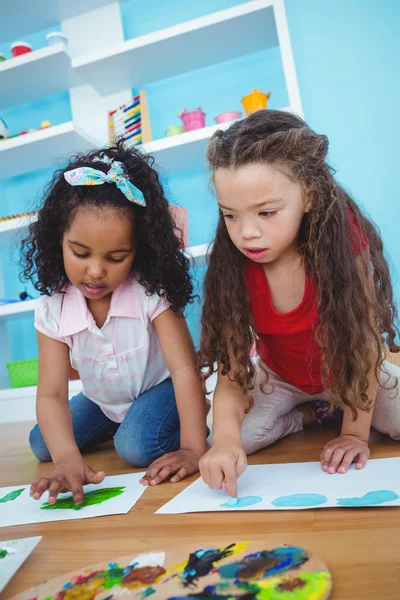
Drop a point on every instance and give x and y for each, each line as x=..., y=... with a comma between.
x=345, y=53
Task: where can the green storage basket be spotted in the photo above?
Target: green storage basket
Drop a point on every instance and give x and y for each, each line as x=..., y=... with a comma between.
x=23, y=373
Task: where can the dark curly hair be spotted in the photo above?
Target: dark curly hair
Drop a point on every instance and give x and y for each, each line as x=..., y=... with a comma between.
x=160, y=264
x=354, y=323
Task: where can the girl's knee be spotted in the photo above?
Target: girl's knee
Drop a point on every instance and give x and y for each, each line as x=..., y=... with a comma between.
x=133, y=451
x=38, y=445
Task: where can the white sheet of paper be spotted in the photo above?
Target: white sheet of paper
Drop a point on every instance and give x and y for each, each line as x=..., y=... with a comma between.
x=16, y=552
x=270, y=482
x=24, y=509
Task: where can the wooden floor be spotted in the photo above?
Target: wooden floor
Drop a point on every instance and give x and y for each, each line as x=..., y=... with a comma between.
x=360, y=546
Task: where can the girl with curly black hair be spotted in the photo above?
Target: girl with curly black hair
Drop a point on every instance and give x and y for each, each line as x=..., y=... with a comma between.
x=298, y=271
x=105, y=255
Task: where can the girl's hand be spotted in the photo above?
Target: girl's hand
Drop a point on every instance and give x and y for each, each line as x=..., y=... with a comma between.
x=341, y=452
x=180, y=464
x=222, y=465
x=71, y=475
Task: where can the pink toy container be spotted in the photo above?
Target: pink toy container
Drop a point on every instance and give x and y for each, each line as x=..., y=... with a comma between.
x=193, y=119
x=229, y=115
x=20, y=48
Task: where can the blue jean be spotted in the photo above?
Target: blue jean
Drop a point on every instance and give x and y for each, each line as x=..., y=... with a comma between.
x=149, y=429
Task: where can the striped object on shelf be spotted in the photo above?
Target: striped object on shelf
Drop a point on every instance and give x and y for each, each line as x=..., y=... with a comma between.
x=131, y=122
x=11, y=217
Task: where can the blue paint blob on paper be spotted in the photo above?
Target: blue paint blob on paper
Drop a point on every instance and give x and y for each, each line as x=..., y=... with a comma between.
x=300, y=500
x=371, y=499
x=232, y=501
x=243, y=502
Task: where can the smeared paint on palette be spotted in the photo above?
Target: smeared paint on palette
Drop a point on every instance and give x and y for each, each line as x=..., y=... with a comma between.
x=234, y=571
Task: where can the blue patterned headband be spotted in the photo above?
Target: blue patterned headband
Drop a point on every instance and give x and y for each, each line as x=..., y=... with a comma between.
x=116, y=174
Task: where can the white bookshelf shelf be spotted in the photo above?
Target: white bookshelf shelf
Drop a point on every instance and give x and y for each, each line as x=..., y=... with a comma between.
x=40, y=149
x=183, y=151
x=23, y=16
x=17, y=310
x=35, y=75
x=217, y=37
x=75, y=386
x=19, y=404
x=12, y=230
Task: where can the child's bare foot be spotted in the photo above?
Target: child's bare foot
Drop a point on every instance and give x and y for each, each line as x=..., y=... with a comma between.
x=308, y=412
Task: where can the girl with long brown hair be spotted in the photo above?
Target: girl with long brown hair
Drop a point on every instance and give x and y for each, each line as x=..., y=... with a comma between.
x=298, y=272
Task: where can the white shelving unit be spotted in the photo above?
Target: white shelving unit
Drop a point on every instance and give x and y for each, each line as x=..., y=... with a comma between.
x=99, y=70
x=23, y=16
x=18, y=404
x=19, y=76
x=17, y=310
x=10, y=230
x=43, y=148
x=217, y=37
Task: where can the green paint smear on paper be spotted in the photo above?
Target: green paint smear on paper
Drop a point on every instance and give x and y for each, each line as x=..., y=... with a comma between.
x=11, y=496
x=3, y=553
x=91, y=498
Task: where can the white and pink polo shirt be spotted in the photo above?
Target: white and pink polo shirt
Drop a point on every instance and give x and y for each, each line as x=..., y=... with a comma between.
x=121, y=360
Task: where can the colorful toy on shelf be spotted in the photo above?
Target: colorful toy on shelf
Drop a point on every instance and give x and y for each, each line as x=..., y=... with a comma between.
x=19, y=48
x=44, y=125
x=229, y=115
x=4, y=134
x=2, y=57
x=192, y=119
x=255, y=101
x=12, y=217
x=174, y=130
x=131, y=122
x=56, y=37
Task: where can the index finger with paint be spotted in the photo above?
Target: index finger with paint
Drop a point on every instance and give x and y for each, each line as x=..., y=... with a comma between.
x=230, y=483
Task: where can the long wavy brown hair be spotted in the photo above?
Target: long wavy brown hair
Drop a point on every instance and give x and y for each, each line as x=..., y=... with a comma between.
x=355, y=305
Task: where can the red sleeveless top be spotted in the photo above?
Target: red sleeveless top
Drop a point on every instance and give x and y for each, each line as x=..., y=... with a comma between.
x=287, y=340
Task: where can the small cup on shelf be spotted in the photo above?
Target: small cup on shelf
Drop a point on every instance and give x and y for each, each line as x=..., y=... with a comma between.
x=56, y=37
x=19, y=48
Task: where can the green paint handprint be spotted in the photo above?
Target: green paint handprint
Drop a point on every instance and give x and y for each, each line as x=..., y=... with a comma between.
x=91, y=498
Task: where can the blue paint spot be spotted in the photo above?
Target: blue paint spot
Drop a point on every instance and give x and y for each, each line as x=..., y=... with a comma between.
x=242, y=502
x=300, y=500
x=370, y=499
x=232, y=501
x=266, y=563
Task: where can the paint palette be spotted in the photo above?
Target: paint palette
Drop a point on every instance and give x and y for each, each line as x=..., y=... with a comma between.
x=234, y=571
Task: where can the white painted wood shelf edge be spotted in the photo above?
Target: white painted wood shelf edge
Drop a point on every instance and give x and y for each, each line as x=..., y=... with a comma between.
x=242, y=29
x=22, y=78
